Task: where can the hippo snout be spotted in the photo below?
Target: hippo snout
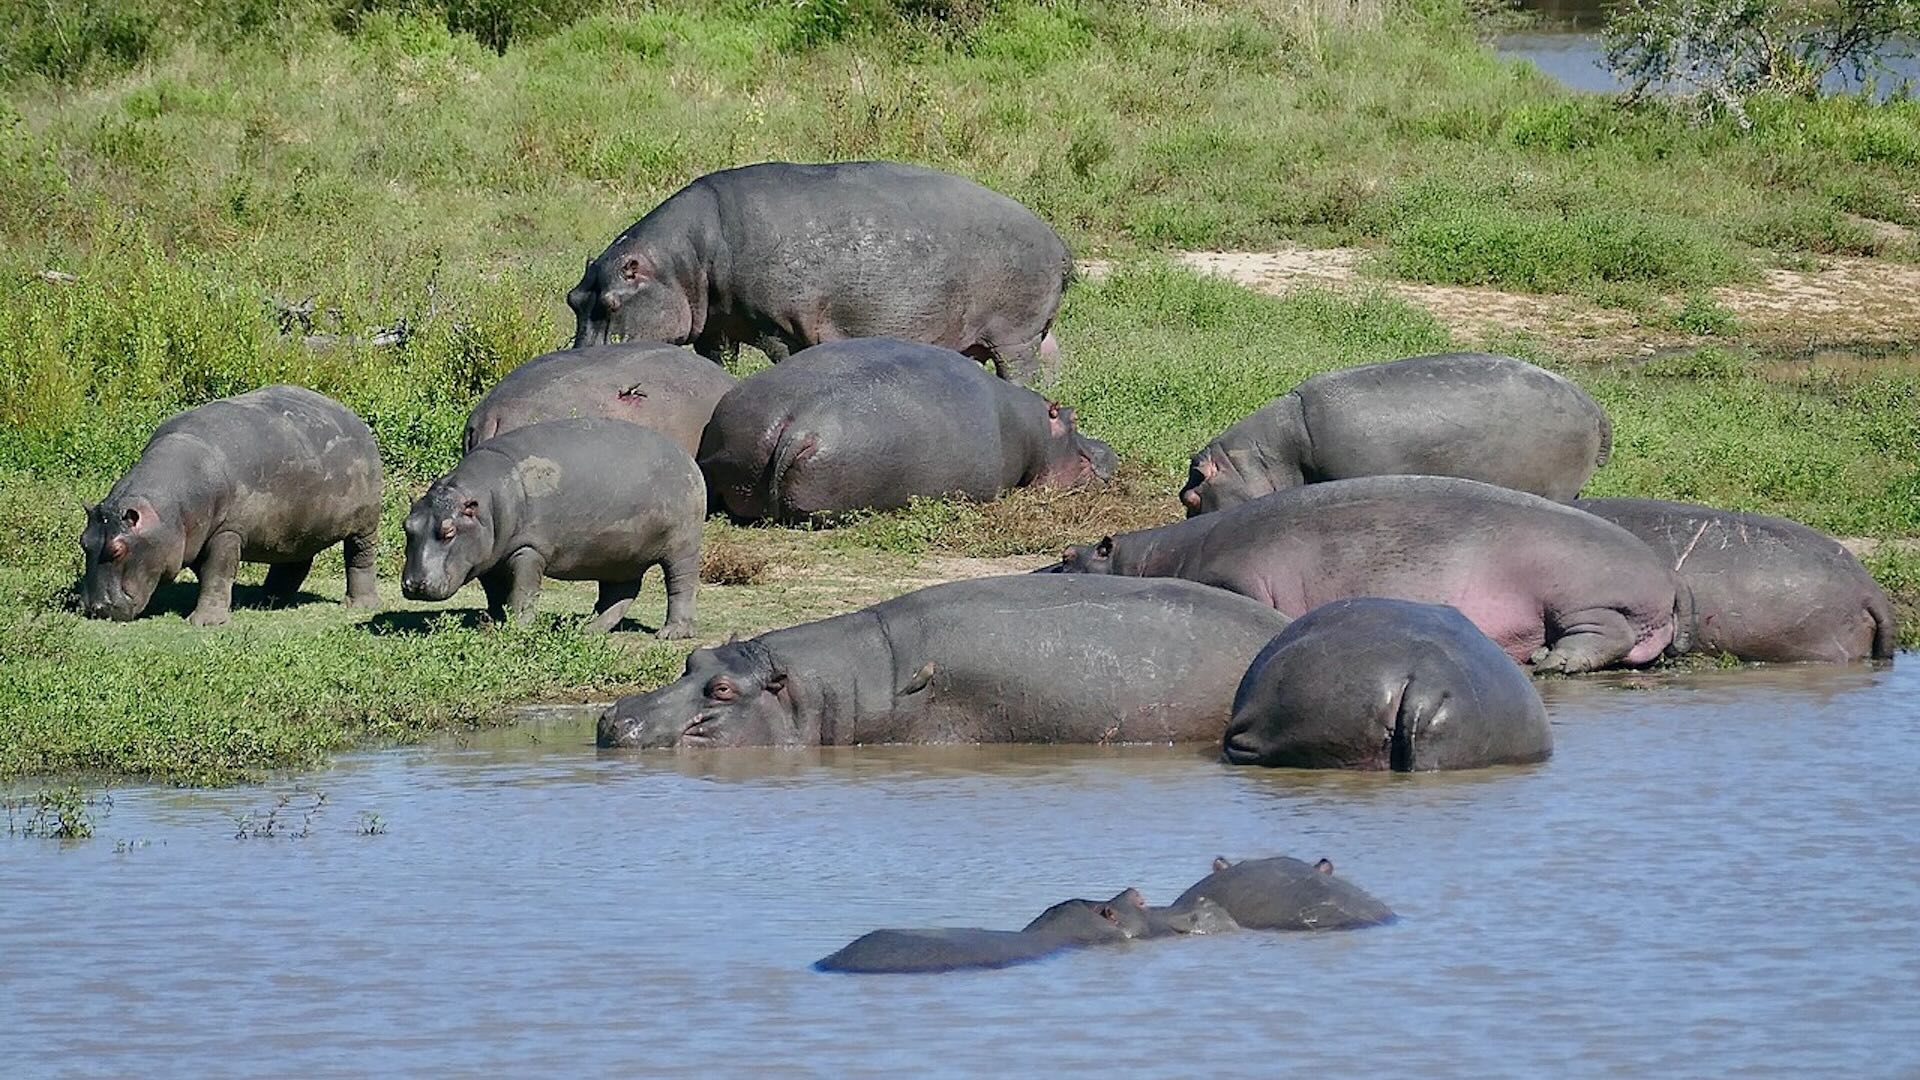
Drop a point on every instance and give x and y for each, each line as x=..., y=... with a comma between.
x=1241, y=746
x=420, y=588
x=610, y=732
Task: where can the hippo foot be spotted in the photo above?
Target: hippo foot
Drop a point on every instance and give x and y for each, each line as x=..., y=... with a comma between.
x=210, y=618
x=674, y=631
x=364, y=603
x=1539, y=654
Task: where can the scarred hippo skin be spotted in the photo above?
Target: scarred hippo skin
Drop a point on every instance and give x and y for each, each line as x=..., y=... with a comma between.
x=1763, y=588
x=578, y=500
x=868, y=424
x=1005, y=659
x=782, y=256
x=1554, y=587
x=273, y=476
x=1471, y=415
x=1368, y=683
x=658, y=386
x=1285, y=894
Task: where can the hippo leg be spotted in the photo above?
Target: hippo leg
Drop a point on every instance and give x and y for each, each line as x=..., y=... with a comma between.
x=513, y=585
x=615, y=596
x=683, y=580
x=1589, y=640
x=774, y=346
x=219, y=561
x=359, y=551
x=284, y=579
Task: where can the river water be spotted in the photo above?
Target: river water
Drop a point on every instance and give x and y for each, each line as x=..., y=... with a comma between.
x=1718, y=874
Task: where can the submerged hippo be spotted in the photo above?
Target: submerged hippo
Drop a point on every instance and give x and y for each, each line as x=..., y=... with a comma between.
x=869, y=424
x=658, y=386
x=782, y=256
x=273, y=476
x=1368, y=683
x=579, y=500
x=1473, y=415
x=1554, y=587
x=1284, y=894
x=1004, y=659
x=1763, y=588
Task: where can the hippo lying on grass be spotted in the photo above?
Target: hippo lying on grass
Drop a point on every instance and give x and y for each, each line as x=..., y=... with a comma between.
x=1004, y=659
x=273, y=476
x=662, y=387
x=1472, y=415
x=1554, y=587
x=1762, y=588
x=1284, y=894
x=870, y=424
x=1368, y=683
x=579, y=500
x=782, y=256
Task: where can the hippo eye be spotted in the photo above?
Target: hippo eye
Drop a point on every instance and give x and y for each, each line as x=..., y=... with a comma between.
x=721, y=690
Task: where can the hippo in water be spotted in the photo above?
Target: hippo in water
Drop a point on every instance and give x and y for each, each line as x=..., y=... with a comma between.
x=1762, y=588
x=274, y=476
x=662, y=387
x=783, y=256
x=1003, y=659
x=1473, y=415
x=869, y=424
x=1368, y=683
x=1284, y=894
x=1553, y=586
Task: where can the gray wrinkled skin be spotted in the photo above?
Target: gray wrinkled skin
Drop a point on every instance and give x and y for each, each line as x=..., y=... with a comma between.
x=577, y=500
x=1024, y=658
x=273, y=476
x=869, y=424
x=1556, y=588
x=1285, y=894
x=657, y=386
x=1763, y=588
x=1473, y=415
x=783, y=256
x=1368, y=683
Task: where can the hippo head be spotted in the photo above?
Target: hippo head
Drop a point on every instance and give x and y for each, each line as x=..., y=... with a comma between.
x=1072, y=457
x=131, y=547
x=1085, y=559
x=732, y=695
x=622, y=295
x=1119, y=919
x=449, y=541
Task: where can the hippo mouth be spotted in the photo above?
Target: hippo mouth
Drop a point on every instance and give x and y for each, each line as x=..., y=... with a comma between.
x=1241, y=747
x=421, y=590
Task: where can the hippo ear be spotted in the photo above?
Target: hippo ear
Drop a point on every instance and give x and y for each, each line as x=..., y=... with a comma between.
x=1132, y=896
x=632, y=269
x=1107, y=913
x=1325, y=866
x=1104, y=549
x=1205, y=466
x=1220, y=863
x=470, y=508
x=1053, y=410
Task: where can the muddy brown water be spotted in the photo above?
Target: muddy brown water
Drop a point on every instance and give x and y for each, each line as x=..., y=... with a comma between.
x=1718, y=874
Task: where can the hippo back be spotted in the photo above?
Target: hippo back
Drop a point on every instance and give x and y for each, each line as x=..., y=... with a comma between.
x=1286, y=894
x=649, y=383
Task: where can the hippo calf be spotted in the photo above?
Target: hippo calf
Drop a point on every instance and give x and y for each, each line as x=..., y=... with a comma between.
x=1555, y=587
x=869, y=424
x=1473, y=415
x=274, y=476
x=1368, y=683
x=1003, y=659
x=1762, y=588
x=658, y=386
x=1284, y=894
x=783, y=256
x=579, y=500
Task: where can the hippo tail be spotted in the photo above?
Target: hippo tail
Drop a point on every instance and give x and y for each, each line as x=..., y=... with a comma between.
x=1885, y=632
x=1605, y=453
x=790, y=448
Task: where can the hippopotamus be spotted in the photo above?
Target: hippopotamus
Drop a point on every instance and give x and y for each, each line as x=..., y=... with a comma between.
x=274, y=476
x=1473, y=415
x=783, y=256
x=1284, y=894
x=588, y=499
x=659, y=386
x=1557, y=588
x=1369, y=683
x=999, y=659
x=1762, y=588
x=869, y=424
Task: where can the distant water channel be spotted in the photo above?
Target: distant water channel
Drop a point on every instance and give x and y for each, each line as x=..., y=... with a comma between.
x=1717, y=875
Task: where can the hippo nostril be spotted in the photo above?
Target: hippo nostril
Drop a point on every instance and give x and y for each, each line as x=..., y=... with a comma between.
x=1240, y=747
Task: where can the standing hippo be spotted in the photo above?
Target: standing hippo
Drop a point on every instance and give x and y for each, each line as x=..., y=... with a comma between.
x=273, y=476
x=1473, y=415
x=662, y=387
x=1763, y=588
x=782, y=256
x=868, y=424
x=1555, y=587
x=1285, y=894
x=1001, y=659
x=1368, y=683
x=579, y=500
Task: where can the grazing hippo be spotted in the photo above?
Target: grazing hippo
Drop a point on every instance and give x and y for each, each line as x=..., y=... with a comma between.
x=273, y=476
x=662, y=387
x=868, y=424
x=1473, y=415
x=579, y=500
x=1285, y=894
x=1000, y=659
x=1763, y=588
x=1555, y=587
x=1368, y=683
x=782, y=256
